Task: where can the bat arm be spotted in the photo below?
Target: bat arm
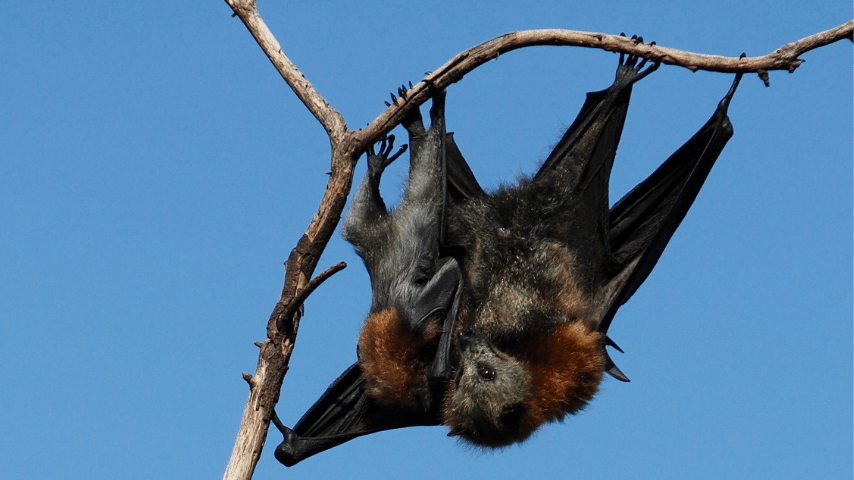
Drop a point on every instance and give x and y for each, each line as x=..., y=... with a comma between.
x=441, y=367
x=344, y=412
x=368, y=209
x=439, y=295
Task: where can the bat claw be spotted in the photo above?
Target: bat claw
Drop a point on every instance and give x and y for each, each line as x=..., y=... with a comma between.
x=630, y=68
x=379, y=159
x=611, y=343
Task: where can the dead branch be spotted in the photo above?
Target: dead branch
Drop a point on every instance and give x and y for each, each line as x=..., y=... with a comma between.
x=347, y=146
x=784, y=58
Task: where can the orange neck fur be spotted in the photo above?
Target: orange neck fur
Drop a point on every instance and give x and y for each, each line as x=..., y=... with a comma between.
x=388, y=356
x=566, y=365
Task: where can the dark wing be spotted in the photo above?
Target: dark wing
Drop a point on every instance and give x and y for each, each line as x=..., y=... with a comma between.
x=462, y=183
x=578, y=171
x=438, y=295
x=642, y=222
x=343, y=413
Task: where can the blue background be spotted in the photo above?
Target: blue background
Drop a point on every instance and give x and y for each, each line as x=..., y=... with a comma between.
x=155, y=171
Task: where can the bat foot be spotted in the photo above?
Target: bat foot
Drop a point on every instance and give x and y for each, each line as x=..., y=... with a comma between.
x=379, y=159
x=402, y=91
x=631, y=67
x=437, y=110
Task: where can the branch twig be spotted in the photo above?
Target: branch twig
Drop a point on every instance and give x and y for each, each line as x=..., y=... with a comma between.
x=315, y=282
x=327, y=116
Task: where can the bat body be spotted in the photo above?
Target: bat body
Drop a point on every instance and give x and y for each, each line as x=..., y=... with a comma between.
x=541, y=267
x=547, y=265
x=415, y=287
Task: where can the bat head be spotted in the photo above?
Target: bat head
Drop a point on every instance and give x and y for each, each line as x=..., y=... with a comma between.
x=487, y=402
x=497, y=398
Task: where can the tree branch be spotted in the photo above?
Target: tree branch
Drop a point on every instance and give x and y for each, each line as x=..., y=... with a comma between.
x=784, y=58
x=266, y=383
x=331, y=120
x=303, y=294
x=347, y=146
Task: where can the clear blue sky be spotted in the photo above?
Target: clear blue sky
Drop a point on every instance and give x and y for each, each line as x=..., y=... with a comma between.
x=155, y=171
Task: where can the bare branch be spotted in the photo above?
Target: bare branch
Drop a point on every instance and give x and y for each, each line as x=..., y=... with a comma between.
x=331, y=120
x=784, y=58
x=315, y=282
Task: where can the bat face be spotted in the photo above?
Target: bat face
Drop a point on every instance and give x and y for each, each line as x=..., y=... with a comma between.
x=499, y=398
x=487, y=398
x=527, y=351
x=504, y=328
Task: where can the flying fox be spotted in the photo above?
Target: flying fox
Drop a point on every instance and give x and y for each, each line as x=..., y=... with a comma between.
x=507, y=318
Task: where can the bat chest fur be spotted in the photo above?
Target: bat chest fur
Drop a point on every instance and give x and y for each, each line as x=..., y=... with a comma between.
x=532, y=289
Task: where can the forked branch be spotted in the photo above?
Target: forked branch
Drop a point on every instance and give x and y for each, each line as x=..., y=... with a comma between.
x=348, y=145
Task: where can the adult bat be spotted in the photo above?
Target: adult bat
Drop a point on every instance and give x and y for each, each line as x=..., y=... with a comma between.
x=403, y=352
x=548, y=264
x=405, y=344
x=593, y=259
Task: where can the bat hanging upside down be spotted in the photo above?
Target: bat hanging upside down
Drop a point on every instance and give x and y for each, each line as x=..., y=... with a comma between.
x=490, y=311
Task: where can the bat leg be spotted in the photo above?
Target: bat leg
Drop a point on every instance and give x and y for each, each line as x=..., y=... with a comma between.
x=414, y=124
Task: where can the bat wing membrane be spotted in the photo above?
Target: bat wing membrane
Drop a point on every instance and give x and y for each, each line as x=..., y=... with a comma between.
x=644, y=220
x=344, y=412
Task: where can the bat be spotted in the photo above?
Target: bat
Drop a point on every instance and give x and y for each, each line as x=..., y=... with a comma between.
x=405, y=343
x=579, y=262
x=548, y=264
x=416, y=287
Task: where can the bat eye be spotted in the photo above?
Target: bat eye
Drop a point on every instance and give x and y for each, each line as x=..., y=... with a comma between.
x=486, y=372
